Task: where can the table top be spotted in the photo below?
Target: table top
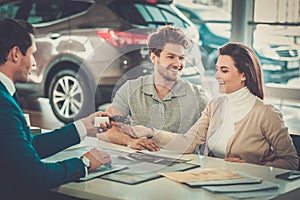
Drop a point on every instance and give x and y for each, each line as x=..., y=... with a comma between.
x=163, y=188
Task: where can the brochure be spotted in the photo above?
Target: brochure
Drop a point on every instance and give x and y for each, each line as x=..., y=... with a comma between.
x=200, y=175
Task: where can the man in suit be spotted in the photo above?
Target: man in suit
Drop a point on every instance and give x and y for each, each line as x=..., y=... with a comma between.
x=23, y=173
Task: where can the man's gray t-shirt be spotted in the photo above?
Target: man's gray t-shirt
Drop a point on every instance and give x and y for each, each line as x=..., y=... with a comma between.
x=177, y=112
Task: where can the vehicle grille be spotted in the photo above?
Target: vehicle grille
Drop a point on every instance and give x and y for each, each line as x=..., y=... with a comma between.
x=288, y=53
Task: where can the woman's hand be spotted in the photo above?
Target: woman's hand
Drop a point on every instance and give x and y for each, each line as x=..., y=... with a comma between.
x=232, y=159
x=269, y=158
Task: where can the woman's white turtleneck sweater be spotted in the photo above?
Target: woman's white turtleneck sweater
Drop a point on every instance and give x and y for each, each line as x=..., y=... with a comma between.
x=237, y=105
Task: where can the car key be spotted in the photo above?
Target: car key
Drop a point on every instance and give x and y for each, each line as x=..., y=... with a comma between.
x=121, y=119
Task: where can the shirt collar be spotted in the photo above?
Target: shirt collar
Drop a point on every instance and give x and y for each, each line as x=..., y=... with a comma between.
x=8, y=84
x=179, y=88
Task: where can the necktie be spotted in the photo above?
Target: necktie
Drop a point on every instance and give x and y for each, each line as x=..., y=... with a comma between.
x=16, y=97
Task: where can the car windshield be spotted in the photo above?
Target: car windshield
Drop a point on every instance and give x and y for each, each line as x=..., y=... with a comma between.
x=213, y=14
x=218, y=21
x=148, y=15
x=278, y=35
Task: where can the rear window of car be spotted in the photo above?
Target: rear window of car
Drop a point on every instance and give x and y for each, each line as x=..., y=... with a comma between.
x=151, y=15
x=8, y=10
x=40, y=11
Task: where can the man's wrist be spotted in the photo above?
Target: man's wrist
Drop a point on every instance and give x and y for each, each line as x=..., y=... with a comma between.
x=81, y=129
x=87, y=164
x=86, y=171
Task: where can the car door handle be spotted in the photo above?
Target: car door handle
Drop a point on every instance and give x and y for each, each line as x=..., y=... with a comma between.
x=54, y=35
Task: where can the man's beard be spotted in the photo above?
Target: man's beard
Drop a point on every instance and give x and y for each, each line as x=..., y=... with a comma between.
x=164, y=72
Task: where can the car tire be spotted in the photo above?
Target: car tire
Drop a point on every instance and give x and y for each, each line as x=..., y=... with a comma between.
x=68, y=95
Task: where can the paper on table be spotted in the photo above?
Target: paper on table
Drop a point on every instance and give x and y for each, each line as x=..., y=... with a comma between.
x=267, y=194
x=207, y=174
x=103, y=171
x=265, y=185
x=247, y=179
x=77, y=152
x=166, y=153
x=66, y=154
x=144, y=167
x=141, y=172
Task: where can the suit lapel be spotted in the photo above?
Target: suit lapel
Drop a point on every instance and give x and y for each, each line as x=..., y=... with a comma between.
x=4, y=92
x=12, y=100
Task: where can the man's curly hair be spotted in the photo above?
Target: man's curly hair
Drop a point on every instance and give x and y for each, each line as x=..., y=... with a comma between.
x=166, y=34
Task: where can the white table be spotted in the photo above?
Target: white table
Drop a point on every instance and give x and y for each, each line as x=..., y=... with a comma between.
x=163, y=188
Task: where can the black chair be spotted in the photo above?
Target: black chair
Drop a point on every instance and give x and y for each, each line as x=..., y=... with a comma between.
x=296, y=141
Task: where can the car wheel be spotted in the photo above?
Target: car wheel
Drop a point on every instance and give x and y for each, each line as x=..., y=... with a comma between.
x=67, y=95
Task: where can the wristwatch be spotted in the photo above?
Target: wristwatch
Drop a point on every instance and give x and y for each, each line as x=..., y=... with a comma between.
x=86, y=162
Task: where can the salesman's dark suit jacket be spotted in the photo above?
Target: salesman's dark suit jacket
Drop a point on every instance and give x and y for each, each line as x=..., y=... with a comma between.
x=22, y=171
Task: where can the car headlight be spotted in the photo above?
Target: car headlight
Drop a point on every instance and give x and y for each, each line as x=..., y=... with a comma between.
x=271, y=67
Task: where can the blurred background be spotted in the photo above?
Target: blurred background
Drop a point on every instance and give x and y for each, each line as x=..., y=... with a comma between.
x=88, y=49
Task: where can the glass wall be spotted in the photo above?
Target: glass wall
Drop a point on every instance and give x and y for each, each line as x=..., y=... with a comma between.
x=279, y=27
x=276, y=40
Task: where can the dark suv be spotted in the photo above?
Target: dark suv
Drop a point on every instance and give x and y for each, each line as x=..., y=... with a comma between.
x=87, y=47
x=280, y=58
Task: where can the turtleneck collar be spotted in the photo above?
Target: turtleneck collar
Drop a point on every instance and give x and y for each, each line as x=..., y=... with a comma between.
x=239, y=96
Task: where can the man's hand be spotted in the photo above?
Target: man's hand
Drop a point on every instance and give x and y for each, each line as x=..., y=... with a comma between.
x=143, y=144
x=97, y=158
x=136, y=131
x=89, y=123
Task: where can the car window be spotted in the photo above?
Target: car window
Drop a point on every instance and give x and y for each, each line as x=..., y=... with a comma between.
x=39, y=11
x=147, y=14
x=189, y=14
x=46, y=11
x=75, y=7
x=129, y=13
x=172, y=17
x=9, y=10
x=212, y=15
x=154, y=12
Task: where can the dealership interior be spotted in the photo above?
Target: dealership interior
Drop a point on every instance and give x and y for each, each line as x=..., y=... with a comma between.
x=284, y=96
x=272, y=29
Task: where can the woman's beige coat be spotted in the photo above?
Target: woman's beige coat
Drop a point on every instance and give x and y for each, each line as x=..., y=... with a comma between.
x=259, y=134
